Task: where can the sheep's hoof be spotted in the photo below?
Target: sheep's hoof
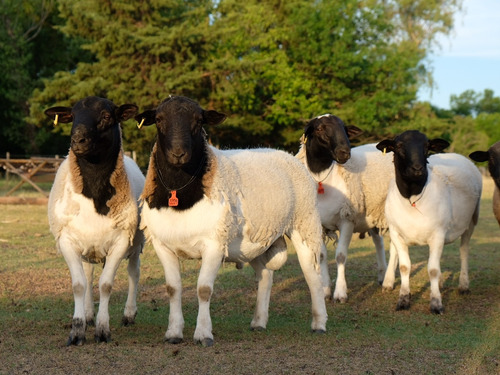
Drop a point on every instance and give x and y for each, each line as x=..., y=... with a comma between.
x=174, y=340
x=128, y=321
x=257, y=329
x=403, y=303
x=436, y=306
x=90, y=322
x=318, y=331
x=340, y=300
x=207, y=342
x=387, y=289
x=463, y=291
x=77, y=341
x=102, y=336
x=77, y=334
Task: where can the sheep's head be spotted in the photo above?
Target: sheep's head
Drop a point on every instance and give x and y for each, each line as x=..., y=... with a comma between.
x=95, y=124
x=179, y=122
x=492, y=156
x=411, y=150
x=327, y=140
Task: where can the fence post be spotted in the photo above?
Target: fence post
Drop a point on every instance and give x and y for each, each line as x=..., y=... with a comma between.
x=7, y=174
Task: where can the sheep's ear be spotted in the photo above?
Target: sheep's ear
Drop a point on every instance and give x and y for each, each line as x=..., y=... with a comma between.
x=63, y=114
x=387, y=145
x=353, y=131
x=146, y=118
x=438, y=145
x=479, y=156
x=126, y=111
x=212, y=117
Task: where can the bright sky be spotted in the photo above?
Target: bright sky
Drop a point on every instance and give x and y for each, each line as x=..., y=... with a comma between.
x=470, y=57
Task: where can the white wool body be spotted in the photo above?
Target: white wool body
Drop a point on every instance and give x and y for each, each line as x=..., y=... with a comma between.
x=353, y=202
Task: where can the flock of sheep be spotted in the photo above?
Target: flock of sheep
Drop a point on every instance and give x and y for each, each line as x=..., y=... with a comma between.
x=197, y=201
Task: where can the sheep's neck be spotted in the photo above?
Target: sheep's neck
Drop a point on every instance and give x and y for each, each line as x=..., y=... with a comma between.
x=178, y=187
x=96, y=181
x=318, y=160
x=409, y=188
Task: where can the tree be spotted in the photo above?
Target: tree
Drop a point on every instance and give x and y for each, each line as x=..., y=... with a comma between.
x=270, y=65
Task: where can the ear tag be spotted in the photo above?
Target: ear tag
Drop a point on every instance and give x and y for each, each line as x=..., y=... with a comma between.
x=173, y=201
x=142, y=122
x=305, y=140
x=385, y=149
x=321, y=189
x=56, y=120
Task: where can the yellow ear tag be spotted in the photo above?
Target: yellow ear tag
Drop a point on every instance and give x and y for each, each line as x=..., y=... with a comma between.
x=385, y=149
x=305, y=140
x=56, y=120
x=140, y=125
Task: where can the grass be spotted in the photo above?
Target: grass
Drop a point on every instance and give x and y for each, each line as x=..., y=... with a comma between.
x=365, y=335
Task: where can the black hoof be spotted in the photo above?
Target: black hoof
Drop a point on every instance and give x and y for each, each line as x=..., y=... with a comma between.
x=77, y=341
x=436, y=307
x=90, y=323
x=128, y=321
x=403, y=303
x=205, y=342
x=318, y=331
x=174, y=340
x=103, y=337
x=257, y=329
x=463, y=292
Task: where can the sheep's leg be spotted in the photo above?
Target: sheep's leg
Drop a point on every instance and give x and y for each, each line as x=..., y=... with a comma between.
x=346, y=229
x=133, y=269
x=404, y=270
x=264, y=278
x=390, y=273
x=102, y=330
x=79, y=283
x=171, y=267
x=210, y=264
x=306, y=257
x=325, y=274
x=463, y=282
x=378, y=241
x=434, y=270
x=89, y=299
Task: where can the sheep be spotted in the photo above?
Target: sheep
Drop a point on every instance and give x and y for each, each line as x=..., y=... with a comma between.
x=352, y=186
x=430, y=205
x=492, y=156
x=225, y=206
x=93, y=210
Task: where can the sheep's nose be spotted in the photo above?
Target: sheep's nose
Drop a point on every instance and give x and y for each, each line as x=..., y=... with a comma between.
x=417, y=170
x=343, y=156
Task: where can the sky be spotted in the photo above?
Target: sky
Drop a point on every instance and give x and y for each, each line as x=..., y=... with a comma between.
x=469, y=58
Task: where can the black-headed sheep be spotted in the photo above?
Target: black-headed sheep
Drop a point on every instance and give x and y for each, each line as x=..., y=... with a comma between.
x=232, y=206
x=93, y=210
x=492, y=156
x=432, y=201
x=352, y=187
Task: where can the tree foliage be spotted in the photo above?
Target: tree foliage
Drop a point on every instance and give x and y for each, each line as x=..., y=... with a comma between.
x=269, y=64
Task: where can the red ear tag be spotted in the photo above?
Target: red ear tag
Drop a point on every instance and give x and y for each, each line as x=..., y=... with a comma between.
x=321, y=190
x=414, y=204
x=173, y=201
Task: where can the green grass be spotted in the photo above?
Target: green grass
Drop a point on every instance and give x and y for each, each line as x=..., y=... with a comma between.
x=365, y=336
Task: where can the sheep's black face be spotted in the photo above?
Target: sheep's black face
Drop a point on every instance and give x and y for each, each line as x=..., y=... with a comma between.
x=179, y=122
x=494, y=162
x=327, y=140
x=411, y=150
x=95, y=128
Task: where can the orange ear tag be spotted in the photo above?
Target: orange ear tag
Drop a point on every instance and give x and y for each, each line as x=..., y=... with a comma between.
x=173, y=201
x=321, y=189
